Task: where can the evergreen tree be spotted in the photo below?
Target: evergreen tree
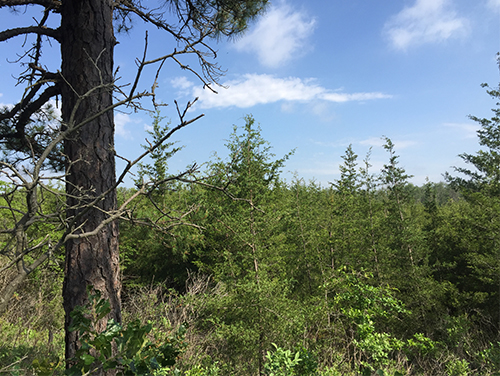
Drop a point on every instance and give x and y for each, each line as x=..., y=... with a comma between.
x=348, y=213
x=485, y=177
x=395, y=183
x=245, y=250
x=372, y=207
x=479, y=250
x=86, y=85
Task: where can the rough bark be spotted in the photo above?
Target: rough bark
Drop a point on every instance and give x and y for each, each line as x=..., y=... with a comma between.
x=87, y=44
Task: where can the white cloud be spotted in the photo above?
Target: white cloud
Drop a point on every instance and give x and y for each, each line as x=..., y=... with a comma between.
x=181, y=83
x=287, y=107
x=120, y=121
x=278, y=36
x=427, y=21
x=323, y=111
x=469, y=130
x=254, y=89
x=378, y=142
x=494, y=4
x=373, y=141
x=319, y=171
x=403, y=144
x=342, y=97
x=330, y=144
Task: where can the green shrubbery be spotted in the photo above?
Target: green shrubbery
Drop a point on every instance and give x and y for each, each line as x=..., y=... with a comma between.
x=371, y=276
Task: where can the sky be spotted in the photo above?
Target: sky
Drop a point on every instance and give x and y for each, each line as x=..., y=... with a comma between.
x=319, y=76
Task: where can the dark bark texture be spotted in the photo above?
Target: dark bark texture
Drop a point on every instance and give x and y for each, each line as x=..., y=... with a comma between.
x=87, y=43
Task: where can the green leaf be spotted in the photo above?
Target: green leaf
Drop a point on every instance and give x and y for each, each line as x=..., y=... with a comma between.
x=87, y=359
x=102, y=308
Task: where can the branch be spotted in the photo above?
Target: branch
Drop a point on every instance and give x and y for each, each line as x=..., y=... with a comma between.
x=223, y=190
x=95, y=200
x=28, y=110
x=39, y=30
x=25, y=252
x=191, y=40
x=36, y=105
x=51, y=4
x=182, y=124
x=127, y=6
x=10, y=367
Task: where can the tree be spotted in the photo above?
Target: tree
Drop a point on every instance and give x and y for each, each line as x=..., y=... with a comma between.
x=346, y=206
x=155, y=246
x=480, y=240
x=485, y=176
x=395, y=182
x=244, y=248
x=83, y=143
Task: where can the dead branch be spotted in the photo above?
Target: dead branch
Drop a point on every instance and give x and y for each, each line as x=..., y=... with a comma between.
x=38, y=30
x=50, y=4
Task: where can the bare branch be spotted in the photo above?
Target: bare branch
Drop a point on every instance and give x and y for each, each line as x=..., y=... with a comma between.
x=43, y=243
x=161, y=141
x=225, y=191
x=51, y=4
x=39, y=30
x=140, y=66
x=128, y=7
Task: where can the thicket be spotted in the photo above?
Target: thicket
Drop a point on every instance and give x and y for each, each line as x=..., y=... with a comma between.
x=370, y=275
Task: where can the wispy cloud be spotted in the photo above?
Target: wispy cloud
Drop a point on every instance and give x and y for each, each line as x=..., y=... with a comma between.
x=278, y=36
x=255, y=89
x=468, y=130
x=182, y=84
x=427, y=21
x=494, y=4
x=330, y=171
x=121, y=120
x=373, y=141
x=331, y=144
x=378, y=142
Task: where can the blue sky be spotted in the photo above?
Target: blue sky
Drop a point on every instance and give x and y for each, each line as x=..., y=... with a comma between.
x=320, y=75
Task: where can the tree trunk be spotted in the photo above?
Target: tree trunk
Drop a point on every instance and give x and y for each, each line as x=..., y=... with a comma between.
x=87, y=61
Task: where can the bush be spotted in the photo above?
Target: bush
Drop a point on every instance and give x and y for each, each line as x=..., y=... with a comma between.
x=282, y=362
x=131, y=350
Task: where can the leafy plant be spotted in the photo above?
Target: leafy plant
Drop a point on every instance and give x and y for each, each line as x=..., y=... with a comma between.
x=131, y=350
x=421, y=344
x=457, y=367
x=490, y=358
x=47, y=366
x=11, y=361
x=198, y=370
x=282, y=362
x=362, y=305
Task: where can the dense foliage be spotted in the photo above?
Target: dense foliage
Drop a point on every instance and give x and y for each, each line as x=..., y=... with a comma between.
x=370, y=275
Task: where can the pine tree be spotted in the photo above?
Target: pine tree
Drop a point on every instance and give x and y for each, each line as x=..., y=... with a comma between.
x=245, y=248
x=480, y=240
x=86, y=84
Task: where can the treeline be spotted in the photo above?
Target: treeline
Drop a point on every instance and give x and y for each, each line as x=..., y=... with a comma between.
x=370, y=274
